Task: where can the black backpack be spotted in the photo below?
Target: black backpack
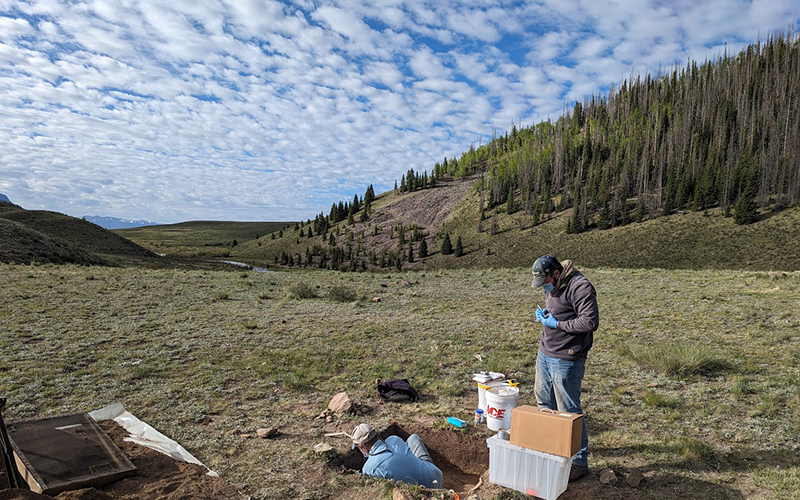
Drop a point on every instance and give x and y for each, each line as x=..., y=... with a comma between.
x=397, y=390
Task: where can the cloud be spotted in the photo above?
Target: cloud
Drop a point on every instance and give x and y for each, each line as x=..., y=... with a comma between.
x=267, y=110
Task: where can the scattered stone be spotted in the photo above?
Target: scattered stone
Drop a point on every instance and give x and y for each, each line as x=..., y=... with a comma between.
x=652, y=385
x=235, y=432
x=635, y=478
x=322, y=448
x=376, y=299
x=608, y=477
x=245, y=436
x=329, y=418
x=341, y=404
x=267, y=433
x=398, y=494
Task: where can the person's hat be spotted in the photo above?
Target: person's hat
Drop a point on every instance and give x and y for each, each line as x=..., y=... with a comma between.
x=363, y=434
x=544, y=266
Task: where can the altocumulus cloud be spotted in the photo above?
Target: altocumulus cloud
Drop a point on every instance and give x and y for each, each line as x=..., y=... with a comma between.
x=267, y=110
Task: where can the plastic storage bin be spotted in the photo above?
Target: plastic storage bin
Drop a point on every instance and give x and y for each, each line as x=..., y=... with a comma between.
x=532, y=472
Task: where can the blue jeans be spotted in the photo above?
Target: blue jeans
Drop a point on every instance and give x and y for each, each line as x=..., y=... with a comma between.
x=418, y=448
x=558, y=387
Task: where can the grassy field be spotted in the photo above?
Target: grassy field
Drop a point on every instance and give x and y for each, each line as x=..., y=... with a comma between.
x=693, y=377
x=200, y=239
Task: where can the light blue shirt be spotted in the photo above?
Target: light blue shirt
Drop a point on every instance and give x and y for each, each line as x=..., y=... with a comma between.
x=392, y=459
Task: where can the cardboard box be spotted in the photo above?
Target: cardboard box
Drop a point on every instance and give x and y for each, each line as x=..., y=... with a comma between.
x=548, y=431
x=532, y=472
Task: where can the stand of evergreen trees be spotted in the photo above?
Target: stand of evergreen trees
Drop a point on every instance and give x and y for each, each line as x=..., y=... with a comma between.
x=720, y=134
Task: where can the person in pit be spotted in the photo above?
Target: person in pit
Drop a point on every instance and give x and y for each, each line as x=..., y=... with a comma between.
x=393, y=458
x=569, y=318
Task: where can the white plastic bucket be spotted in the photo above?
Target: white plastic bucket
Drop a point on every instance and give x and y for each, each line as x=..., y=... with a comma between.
x=482, y=392
x=499, y=403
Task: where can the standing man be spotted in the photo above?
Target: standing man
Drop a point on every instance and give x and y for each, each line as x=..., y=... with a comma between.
x=570, y=317
x=393, y=458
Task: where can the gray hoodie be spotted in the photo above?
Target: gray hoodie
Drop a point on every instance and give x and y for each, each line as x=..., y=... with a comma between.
x=573, y=302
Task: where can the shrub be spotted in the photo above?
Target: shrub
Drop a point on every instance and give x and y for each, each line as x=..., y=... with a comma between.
x=302, y=291
x=341, y=293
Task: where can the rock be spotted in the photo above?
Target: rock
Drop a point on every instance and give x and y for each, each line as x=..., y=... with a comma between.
x=322, y=448
x=341, y=404
x=608, y=477
x=398, y=494
x=235, y=432
x=329, y=418
x=245, y=436
x=267, y=433
x=635, y=478
x=376, y=299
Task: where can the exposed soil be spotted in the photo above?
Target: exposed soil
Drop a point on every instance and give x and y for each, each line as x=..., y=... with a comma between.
x=427, y=208
x=158, y=477
x=461, y=456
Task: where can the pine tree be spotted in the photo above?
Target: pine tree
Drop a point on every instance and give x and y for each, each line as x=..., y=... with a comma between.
x=410, y=252
x=423, y=249
x=459, y=247
x=447, y=246
x=746, y=209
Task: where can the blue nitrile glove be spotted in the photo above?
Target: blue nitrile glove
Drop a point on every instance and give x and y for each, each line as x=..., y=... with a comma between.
x=540, y=314
x=550, y=321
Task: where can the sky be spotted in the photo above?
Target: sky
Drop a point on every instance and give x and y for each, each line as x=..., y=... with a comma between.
x=264, y=110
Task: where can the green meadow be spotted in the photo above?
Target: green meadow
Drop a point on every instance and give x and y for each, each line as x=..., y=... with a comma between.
x=693, y=377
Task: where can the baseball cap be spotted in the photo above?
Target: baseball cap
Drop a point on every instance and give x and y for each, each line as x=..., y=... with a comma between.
x=363, y=433
x=544, y=266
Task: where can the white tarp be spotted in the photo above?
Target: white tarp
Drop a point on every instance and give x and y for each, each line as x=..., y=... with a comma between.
x=145, y=435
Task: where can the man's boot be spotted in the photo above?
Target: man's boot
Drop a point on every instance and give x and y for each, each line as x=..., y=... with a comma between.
x=577, y=472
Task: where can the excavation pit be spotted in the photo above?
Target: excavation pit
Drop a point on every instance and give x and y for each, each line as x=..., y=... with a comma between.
x=462, y=455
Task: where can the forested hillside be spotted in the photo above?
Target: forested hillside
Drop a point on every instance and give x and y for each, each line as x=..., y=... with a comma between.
x=724, y=133
x=719, y=138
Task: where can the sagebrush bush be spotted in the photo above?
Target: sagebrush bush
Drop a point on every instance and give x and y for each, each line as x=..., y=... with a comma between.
x=341, y=293
x=302, y=290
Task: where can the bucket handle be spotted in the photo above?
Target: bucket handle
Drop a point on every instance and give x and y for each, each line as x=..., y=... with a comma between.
x=548, y=410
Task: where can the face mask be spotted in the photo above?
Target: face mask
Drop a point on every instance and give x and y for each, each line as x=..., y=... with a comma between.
x=548, y=287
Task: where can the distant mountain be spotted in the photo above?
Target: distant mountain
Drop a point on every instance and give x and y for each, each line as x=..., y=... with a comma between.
x=117, y=223
x=4, y=198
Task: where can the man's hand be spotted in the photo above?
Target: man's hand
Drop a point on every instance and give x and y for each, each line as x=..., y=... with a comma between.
x=546, y=318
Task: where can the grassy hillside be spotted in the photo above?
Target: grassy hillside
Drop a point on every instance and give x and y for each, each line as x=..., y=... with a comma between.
x=64, y=235
x=692, y=378
x=685, y=240
x=22, y=245
x=199, y=239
